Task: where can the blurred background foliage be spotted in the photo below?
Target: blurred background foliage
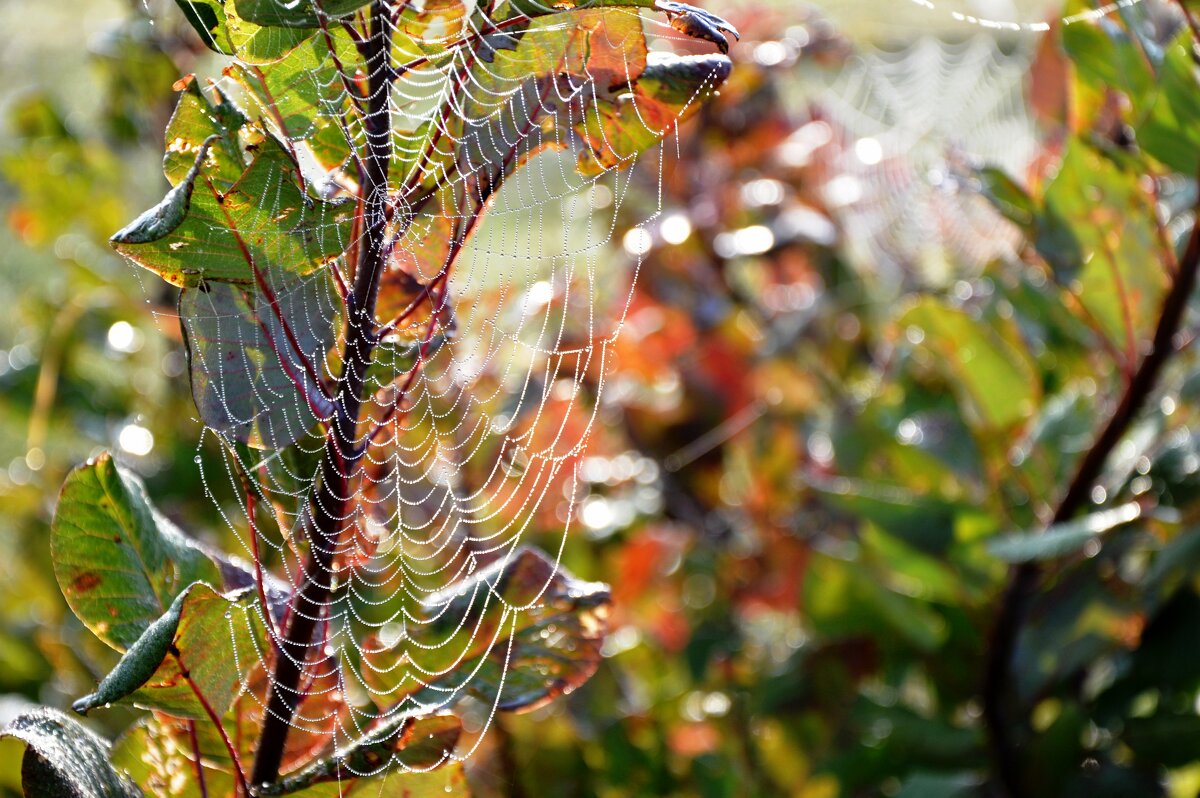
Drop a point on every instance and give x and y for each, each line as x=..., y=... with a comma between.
x=856, y=376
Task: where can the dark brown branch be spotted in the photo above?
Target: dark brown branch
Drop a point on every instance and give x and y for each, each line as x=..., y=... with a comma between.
x=332, y=492
x=1023, y=579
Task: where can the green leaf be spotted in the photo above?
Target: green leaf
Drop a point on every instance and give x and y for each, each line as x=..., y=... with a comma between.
x=223, y=30
x=209, y=20
x=1164, y=101
x=257, y=357
x=923, y=520
x=257, y=44
x=1009, y=198
x=65, y=760
x=992, y=373
x=1104, y=56
x=119, y=563
x=195, y=121
x=393, y=359
x=303, y=94
x=298, y=14
x=844, y=599
x=199, y=232
x=205, y=644
x=1061, y=539
x=401, y=743
x=1098, y=233
x=1071, y=627
x=1171, y=130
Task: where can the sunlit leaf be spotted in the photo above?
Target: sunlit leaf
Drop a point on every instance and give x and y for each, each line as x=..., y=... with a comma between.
x=200, y=232
x=197, y=120
x=157, y=754
x=202, y=646
x=119, y=562
x=297, y=14
x=640, y=115
x=417, y=743
x=993, y=374
x=516, y=634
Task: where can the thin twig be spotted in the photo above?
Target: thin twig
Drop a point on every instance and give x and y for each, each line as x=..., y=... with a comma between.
x=234, y=757
x=200, y=780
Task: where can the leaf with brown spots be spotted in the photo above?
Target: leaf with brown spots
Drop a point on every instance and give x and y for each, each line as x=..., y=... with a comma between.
x=118, y=561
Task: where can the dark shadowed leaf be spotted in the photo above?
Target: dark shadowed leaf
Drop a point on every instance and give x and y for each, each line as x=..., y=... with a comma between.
x=1164, y=738
x=209, y=20
x=65, y=760
x=257, y=358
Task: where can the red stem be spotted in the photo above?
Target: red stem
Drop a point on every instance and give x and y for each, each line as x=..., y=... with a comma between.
x=238, y=773
x=200, y=780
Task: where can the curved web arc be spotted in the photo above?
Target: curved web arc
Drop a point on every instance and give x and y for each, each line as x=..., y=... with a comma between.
x=485, y=390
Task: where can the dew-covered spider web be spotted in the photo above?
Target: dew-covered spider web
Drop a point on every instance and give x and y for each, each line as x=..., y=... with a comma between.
x=485, y=158
x=928, y=94
x=506, y=131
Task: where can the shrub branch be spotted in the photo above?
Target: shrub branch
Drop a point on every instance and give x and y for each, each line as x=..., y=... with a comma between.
x=1024, y=578
x=341, y=456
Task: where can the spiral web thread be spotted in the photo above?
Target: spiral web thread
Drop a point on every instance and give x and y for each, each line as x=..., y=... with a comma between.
x=483, y=393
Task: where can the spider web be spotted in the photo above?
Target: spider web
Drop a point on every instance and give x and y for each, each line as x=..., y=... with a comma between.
x=911, y=121
x=483, y=391
x=931, y=93
x=495, y=338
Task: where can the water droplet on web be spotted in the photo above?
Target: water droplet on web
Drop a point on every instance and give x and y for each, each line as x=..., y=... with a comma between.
x=196, y=459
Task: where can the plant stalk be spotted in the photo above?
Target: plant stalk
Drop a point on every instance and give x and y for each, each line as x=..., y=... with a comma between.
x=333, y=493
